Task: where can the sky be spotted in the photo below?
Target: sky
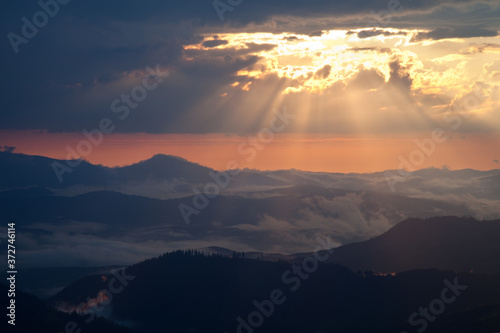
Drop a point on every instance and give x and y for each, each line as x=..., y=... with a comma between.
x=358, y=86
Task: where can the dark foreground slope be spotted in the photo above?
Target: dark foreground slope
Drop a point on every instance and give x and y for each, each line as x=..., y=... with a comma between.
x=185, y=292
x=448, y=243
x=33, y=315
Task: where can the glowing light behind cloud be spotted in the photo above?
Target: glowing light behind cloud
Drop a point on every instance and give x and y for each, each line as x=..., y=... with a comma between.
x=325, y=77
x=368, y=96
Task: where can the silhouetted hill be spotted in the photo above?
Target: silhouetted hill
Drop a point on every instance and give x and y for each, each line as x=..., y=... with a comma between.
x=37, y=171
x=164, y=167
x=454, y=243
x=32, y=171
x=188, y=292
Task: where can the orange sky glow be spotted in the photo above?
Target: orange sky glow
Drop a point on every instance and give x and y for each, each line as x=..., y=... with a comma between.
x=311, y=152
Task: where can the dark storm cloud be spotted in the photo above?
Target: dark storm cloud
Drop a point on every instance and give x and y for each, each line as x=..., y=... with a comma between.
x=376, y=32
x=316, y=34
x=459, y=32
x=215, y=43
x=229, y=53
x=65, y=76
x=253, y=47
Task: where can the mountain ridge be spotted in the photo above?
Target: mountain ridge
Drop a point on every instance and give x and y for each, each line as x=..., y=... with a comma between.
x=175, y=287
x=462, y=244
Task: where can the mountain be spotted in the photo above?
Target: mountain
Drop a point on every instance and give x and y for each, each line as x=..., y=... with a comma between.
x=22, y=171
x=114, y=208
x=188, y=292
x=134, y=212
x=447, y=243
x=164, y=167
x=158, y=176
x=37, y=171
x=164, y=176
x=124, y=225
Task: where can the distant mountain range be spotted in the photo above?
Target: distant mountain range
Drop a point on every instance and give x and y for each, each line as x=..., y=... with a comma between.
x=26, y=171
x=164, y=176
x=134, y=212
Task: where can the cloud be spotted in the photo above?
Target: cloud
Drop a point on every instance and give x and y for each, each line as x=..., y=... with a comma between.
x=316, y=34
x=373, y=48
x=399, y=75
x=363, y=209
x=367, y=79
x=52, y=84
x=458, y=32
x=324, y=72
x=214, y=43
x=482, y=48
x=376, y=32
x=470, y=100
x=343, y=218
x=496, y=161
x=7, y=149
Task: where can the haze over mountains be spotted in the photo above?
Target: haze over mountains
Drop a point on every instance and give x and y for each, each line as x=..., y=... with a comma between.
x=101, y=216
x=164, y=176
x=131, y=213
